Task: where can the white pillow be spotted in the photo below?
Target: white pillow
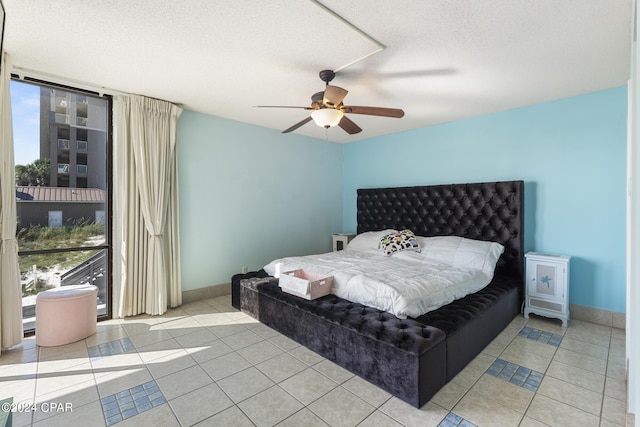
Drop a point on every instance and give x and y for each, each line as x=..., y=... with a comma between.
x=462, y=252
x=368, y=241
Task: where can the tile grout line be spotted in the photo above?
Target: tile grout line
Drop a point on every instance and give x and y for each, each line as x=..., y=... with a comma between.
x=478, y=379
x=555, y=351
x=137, y=399
x=35, y=385
x=234, y=351
x=95, y=381
x=524, y=413
x=609, y=360
x=604, y=386
x=605, y=375
x=277, y=384
x=522, y=417
x=171, y=408
x=132, y=350
x=606, y=379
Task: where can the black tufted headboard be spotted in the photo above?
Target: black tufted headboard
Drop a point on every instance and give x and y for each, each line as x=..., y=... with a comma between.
x=491, y=211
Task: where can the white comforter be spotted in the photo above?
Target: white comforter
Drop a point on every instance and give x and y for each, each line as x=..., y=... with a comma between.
x=406, y=284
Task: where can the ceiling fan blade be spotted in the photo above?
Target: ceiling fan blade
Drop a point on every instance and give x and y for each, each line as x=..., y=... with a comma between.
x=349, y=126
x=333, y=95
x=282, y=106
x=297, y=125
x=374, y=111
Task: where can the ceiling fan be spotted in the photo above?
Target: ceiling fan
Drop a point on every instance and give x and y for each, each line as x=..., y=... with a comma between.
x=329, y=111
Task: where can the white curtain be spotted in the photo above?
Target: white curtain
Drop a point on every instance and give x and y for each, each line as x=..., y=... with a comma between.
x=146, y=241
x=10, y=292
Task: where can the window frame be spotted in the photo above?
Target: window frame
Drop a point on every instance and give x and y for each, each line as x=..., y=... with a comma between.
x=108, y=214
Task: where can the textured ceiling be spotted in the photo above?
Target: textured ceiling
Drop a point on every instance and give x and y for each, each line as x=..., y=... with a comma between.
x=439, y=60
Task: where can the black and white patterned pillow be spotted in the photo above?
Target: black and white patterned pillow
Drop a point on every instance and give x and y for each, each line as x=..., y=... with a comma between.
x=399, y=241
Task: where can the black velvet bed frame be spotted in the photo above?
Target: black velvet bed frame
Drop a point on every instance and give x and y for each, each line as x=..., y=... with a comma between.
x=411, y=358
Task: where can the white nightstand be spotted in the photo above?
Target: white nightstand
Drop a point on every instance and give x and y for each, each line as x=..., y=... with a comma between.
x=341, y=240
x=547, y=286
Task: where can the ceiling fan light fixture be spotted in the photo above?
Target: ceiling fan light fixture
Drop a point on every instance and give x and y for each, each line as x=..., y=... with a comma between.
x=327, y=117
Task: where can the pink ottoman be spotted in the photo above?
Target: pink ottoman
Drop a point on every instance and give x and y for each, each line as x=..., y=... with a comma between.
x=66, y=314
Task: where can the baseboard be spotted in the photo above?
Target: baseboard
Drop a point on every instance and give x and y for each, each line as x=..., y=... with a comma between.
x=206, y=293
x=597, y=316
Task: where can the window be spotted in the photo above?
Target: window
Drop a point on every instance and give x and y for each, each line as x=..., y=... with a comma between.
x=63, y=181
x=62, y=118
x=63, y=212
x=60, y=105
x=81, y=182
x=59, y=102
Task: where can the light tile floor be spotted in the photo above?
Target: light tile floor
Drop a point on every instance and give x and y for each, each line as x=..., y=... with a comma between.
x=207, y=364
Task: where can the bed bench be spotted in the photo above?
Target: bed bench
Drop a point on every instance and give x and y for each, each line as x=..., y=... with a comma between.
x=410, y=358
x=401, y=356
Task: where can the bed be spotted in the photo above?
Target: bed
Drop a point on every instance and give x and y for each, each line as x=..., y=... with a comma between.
x=413, y=357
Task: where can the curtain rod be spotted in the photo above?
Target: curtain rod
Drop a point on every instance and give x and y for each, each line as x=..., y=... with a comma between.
x=26, y=74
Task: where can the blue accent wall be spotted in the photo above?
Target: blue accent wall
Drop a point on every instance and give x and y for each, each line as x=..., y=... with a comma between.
x=250, y=194
x=571, y=154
